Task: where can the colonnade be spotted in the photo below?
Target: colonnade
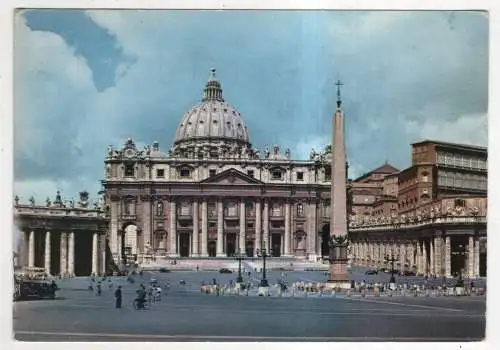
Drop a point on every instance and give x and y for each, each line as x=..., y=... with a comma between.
x=261, y=227
x=425, y=256
x=199, y=230
x=30, y=251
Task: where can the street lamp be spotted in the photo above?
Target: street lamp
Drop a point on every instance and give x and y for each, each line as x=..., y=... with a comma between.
x=392, y=260
x=263, y=253
x=238, y=256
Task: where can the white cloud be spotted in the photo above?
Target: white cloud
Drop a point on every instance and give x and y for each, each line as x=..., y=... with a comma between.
x=466, y=129
x=304, y=147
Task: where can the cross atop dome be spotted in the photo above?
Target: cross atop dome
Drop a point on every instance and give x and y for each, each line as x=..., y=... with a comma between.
x=213, y=89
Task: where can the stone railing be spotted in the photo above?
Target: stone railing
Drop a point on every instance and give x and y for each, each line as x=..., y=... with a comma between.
x=424, y=222
x=56, y=211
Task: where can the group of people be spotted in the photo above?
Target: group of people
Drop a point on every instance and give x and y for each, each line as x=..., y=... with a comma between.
x=150, y=294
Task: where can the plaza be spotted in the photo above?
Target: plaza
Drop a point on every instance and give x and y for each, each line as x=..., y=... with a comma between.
x=186, y=314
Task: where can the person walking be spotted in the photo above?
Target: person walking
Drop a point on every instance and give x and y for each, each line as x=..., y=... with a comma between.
x=118, y=297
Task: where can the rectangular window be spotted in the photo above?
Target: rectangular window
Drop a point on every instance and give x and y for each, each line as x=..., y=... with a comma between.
x=250, y=225
x=250, y=173
x=185, y=172
x=473, y=163
x=160, y=172
x=276, y=175
x=129, y=170
x=328, y=174
x=440, y=158
x=212, y=172
x=300, y=176
x=212, y=224
x=300, y=209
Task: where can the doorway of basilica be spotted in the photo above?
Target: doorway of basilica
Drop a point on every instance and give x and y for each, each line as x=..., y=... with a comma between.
x=325, y=237
x=249, y=249
x=276, y=245
x=184, y=242
x=230, y=244
x=212, y=248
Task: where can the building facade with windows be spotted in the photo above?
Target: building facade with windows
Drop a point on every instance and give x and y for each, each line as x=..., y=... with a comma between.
x=430, y=216
x=213, y=194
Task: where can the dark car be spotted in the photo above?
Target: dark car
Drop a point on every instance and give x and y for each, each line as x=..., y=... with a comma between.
x=34, y=290
x=224, y=270
x=409, y=273
x=162, y=269
x=371, y=272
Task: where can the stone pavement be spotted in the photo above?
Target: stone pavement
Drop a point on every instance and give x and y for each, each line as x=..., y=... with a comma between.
x=185, y=314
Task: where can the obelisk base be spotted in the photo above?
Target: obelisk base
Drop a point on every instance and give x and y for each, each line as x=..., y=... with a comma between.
x=337, y=276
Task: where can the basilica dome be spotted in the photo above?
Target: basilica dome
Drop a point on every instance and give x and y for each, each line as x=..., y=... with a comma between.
x=213, y=120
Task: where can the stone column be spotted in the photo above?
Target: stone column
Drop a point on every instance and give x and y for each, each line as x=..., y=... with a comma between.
x=476, y=256
x=102, y=266
x=31, y=249
x=243, y=224
x=419, y=258
x=432, y=262
x=173, y=229
x=71, y=254
x=64, y=254
x=47, y=253
x=438, y=256
x=196, y=229
x=220, y=228
x=470, y=257
x=411, y=255
x=287, y=229
x=447, y=256
x=265, y=225
x=402, y=255
x=424, y=256
x=95, y=253
x=204, y=228
x=258, y=226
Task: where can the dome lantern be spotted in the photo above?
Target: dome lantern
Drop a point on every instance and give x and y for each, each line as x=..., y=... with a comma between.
x=213, y=89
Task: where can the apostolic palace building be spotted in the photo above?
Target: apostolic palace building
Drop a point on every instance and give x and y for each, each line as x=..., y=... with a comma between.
x=212, y=194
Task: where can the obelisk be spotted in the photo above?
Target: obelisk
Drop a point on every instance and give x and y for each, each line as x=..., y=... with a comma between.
x=337, y=276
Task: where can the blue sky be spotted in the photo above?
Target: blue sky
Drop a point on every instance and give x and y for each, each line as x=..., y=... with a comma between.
x=88, y=79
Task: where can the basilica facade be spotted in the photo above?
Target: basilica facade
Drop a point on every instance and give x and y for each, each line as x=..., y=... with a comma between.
x=212, y=194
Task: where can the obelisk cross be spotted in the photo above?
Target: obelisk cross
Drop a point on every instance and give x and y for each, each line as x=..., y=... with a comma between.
x=339, y=84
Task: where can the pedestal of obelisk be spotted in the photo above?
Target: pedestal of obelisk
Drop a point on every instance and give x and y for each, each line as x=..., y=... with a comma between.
x=337, y=275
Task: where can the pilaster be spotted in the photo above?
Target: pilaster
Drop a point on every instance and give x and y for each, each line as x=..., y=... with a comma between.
x=242, y=238
x=287, y=229
x=196, y=229
x=220, y=228
x=204, y=228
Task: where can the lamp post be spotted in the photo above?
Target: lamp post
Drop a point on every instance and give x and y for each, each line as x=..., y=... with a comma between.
x=238, y=256
x=263, y=253
x=392, y=260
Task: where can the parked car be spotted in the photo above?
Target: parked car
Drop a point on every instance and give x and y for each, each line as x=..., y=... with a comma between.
x=409, y=273
x=371, y=272
x=26, y=290
x=162, y=269
x=225, y=270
